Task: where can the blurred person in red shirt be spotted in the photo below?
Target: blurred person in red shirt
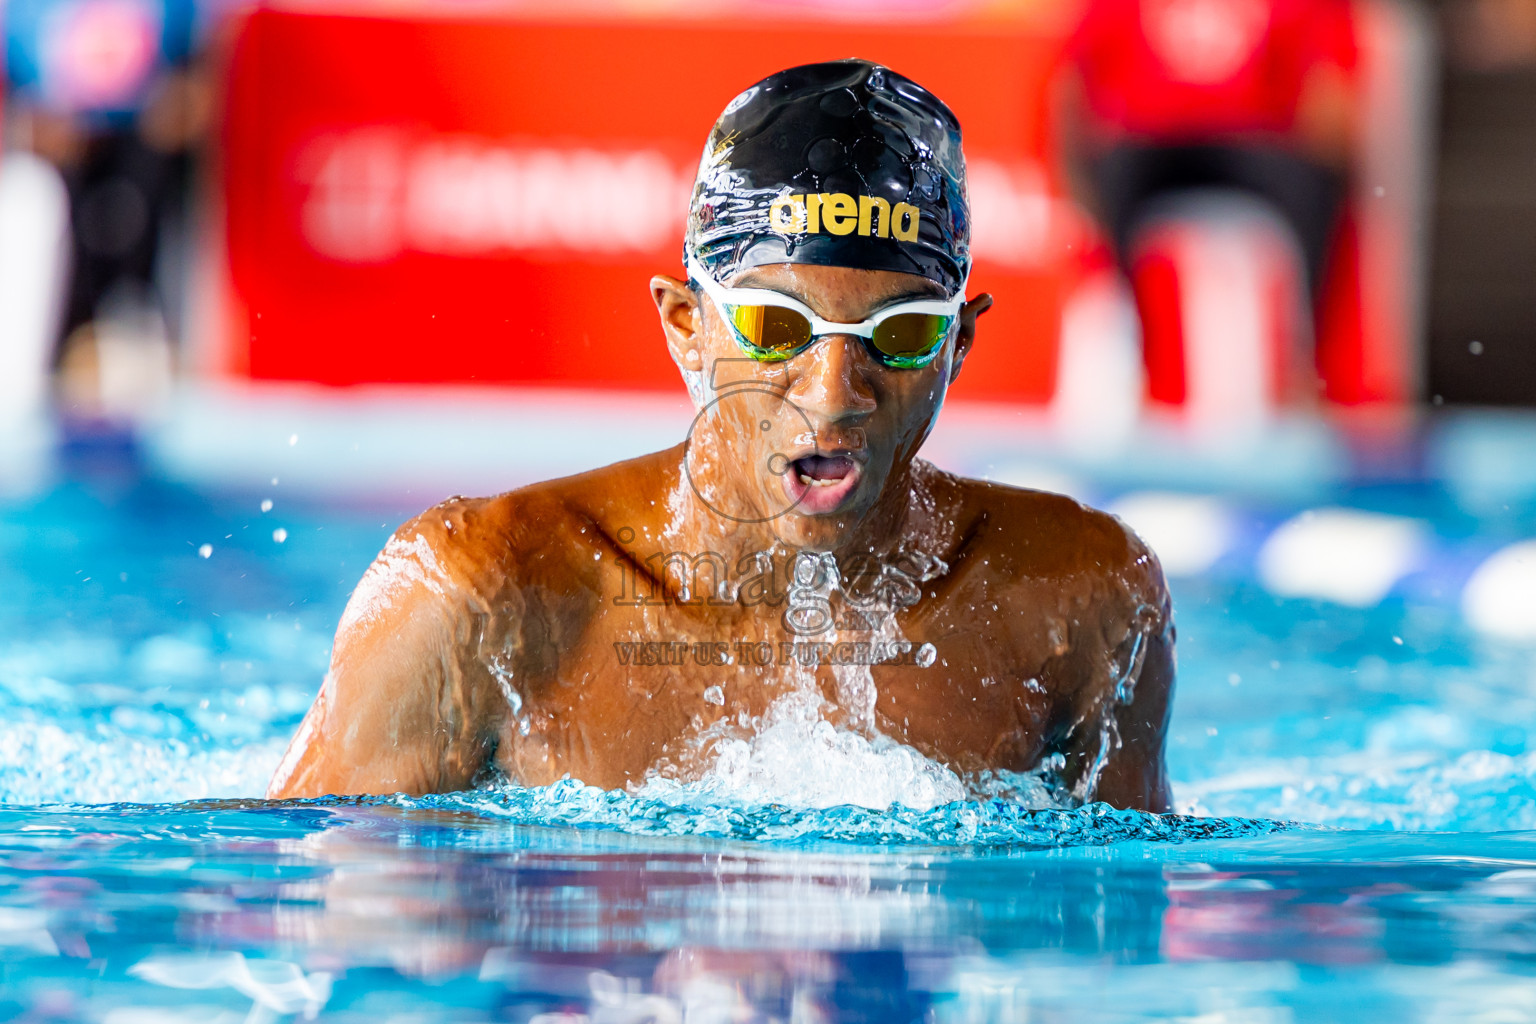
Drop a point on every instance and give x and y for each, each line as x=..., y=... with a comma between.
x=1169, y=96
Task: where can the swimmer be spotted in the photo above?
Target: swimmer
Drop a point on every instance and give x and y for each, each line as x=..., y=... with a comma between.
x=792, y=557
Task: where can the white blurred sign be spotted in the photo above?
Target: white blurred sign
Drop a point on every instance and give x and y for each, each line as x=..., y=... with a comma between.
x=376, y=193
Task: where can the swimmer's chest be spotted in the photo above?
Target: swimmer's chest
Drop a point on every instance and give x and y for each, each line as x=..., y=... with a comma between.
x=963, y=680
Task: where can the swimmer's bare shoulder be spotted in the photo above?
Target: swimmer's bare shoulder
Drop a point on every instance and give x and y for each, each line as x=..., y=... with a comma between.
x=1114, y=654
x=460, y=594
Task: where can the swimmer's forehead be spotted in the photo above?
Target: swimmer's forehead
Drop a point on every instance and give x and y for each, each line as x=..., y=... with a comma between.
x=808, y=282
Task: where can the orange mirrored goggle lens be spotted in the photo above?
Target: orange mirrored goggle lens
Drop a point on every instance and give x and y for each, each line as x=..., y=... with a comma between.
x=775, y=331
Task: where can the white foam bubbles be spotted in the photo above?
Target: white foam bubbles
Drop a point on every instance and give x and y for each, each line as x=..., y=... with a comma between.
x=42, y=762
x=799, y=759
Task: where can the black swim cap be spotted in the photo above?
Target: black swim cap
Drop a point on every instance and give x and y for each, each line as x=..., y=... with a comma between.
x=843, y=164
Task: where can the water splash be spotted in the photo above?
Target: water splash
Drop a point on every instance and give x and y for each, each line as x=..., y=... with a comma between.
x=804, y=750
x=793, y=756
x=972, y=823
x=43, y=762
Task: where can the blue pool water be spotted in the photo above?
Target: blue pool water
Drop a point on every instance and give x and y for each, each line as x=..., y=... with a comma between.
x=1357, y=836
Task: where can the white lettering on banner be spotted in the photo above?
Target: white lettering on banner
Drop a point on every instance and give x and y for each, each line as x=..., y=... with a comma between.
x=468, y=198
x=375, y=193
x=351, y=212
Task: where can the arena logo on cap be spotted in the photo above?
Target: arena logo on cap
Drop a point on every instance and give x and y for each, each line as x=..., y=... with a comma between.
x=839, y=213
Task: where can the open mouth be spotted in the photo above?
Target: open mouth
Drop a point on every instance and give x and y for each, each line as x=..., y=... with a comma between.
x=820, y=483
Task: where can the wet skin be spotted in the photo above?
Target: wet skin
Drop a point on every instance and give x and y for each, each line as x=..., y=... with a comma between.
x=500, y=634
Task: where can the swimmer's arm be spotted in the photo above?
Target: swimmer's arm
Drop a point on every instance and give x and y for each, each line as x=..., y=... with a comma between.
x=399, y=710
x=1136, y=774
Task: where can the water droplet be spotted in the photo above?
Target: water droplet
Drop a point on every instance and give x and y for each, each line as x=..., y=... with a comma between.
x=926, y=654
x=206, y=551
x=293, y=439
x=266, y=505
x=279, y=534
x=714, y=695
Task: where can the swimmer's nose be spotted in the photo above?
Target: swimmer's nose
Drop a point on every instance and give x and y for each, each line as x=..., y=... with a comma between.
x=833, y=381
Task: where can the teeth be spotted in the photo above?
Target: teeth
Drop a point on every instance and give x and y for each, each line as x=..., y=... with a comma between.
x=813, y=482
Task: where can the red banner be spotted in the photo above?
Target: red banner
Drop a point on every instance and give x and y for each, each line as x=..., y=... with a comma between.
x=483, y=198
x=428, y=199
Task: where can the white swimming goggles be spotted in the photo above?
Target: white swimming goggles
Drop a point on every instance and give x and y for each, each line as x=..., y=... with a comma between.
x=771, y=327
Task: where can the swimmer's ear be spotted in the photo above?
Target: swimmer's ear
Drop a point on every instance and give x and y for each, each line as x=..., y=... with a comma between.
x=967, y=336
x=679, y=309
